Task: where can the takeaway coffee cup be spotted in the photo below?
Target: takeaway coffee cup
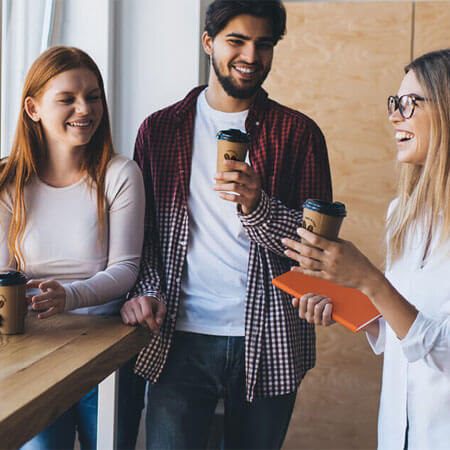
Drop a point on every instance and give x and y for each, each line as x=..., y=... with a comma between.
x=13, y=305
x=323, y=218
x=231, y=144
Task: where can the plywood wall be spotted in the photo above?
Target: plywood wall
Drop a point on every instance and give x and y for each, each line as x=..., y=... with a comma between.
x=431, y=26
x=338, y=63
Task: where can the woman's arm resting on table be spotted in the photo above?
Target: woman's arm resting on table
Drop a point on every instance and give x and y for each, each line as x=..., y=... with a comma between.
x=126, y=229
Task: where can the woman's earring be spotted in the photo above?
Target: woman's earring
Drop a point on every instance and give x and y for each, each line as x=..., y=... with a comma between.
x=36, y=118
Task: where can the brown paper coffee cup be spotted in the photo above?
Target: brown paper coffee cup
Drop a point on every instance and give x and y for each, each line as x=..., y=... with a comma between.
x=231, y=145
x=323, y=218
x=13, y=305
x=226, y=150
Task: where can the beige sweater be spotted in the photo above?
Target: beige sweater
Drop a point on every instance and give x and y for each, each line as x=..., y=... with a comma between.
x=61, y=235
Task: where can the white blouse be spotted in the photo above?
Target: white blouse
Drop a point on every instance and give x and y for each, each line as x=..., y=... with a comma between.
x=61, y=240
x=416, y=370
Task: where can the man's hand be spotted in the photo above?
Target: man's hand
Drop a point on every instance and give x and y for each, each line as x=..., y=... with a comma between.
x=146, y=311
x=243, y=181
x=52, y=299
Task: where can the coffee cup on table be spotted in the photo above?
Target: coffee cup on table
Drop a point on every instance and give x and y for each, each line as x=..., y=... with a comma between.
x=323, y=218
x=232, y=145
x=13, y=304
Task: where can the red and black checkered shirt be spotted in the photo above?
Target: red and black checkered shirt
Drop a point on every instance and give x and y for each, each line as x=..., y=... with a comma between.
x=288, y=151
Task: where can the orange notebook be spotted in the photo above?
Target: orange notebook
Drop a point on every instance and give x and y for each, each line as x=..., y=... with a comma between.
x=351, y=308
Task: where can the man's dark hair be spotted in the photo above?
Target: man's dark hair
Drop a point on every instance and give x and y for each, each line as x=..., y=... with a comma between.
x=220, y=12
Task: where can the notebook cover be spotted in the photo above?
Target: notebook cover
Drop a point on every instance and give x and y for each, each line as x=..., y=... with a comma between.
x=351, y=308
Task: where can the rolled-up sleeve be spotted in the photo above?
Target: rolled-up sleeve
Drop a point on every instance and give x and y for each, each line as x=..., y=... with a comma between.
x=378, y=343
x=429, y=339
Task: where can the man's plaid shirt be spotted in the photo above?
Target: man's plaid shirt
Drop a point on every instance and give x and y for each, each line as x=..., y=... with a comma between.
x=288, y=151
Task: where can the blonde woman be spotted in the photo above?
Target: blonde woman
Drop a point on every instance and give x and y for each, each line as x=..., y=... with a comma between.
x=414, y=294
x=71, y=213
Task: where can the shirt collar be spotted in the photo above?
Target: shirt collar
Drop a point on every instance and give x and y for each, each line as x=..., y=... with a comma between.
x=255, y=114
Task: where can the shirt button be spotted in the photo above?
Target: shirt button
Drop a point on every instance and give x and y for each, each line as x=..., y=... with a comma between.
x=173, y=316
x=257, y=124
x=183, y=243
x=177, y=280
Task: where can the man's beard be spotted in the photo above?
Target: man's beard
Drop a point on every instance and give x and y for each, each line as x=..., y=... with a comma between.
x=234, y=91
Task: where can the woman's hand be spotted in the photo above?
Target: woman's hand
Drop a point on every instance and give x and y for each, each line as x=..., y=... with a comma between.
x=337, y=261
x=314, y=309
x=52, y=299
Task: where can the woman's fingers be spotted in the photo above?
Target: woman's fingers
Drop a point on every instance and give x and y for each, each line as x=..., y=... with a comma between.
x=50, y=312
x=43, y=304
x=52, y=299
x=312, y=273
x=308, y=263
x=44, y=296
x=311, y=312
x=309, y=258
x=314, y=239
x=316, y=309
x=303, y=304
x=49, y=284
x=34, y=283
x=303, y=249
x=327, y=312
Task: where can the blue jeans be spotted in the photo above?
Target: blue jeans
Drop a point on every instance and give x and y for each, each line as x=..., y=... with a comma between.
x=82, y=417
x=199, y=370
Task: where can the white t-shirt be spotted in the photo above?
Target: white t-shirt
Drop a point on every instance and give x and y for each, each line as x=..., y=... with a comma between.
x=416, y=369
x=61, y=240
x=215, y=275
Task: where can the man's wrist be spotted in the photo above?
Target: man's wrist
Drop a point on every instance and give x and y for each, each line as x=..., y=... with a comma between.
x=157, y=295
x=246, y=211
x=259, y=214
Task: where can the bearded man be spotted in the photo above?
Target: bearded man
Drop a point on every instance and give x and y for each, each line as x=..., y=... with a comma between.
x=212, y=247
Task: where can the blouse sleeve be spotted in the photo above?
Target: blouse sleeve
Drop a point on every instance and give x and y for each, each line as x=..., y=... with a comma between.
x=429, y=340
x=378, y=343
x=126, y=207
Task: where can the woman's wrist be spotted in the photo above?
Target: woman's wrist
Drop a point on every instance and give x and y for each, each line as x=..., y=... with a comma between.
x=373, y=283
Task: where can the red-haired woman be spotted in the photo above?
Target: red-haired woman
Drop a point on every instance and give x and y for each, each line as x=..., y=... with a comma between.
x=71, y=211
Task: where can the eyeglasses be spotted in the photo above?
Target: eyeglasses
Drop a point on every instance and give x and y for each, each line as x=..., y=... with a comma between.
x=406, y=104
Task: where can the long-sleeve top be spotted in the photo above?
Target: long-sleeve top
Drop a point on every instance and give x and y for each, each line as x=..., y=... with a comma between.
x=416, y=369
x=61, y=239
x=288, y=151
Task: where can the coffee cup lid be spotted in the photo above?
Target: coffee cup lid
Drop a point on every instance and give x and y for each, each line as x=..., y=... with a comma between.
x=233, y=135
x=328, y=208
x=11, y=278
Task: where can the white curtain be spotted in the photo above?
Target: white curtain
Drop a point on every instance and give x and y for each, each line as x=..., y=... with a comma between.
x=31, y=26
x=26, y=31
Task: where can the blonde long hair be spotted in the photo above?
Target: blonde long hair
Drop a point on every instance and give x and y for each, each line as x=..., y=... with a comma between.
x=424, y=191
x=29, y=144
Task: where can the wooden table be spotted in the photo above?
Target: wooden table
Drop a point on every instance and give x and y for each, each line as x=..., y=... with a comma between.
x=57, y=361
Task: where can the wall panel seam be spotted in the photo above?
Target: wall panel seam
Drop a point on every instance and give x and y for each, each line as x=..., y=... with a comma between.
x=413, y=28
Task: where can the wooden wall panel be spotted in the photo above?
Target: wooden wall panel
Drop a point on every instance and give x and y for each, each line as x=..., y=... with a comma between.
x=338, y=63
x=432, y=27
